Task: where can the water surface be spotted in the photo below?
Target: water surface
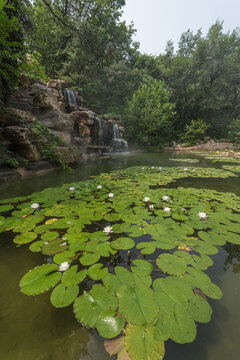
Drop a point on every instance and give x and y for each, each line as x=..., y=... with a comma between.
x=32, y=329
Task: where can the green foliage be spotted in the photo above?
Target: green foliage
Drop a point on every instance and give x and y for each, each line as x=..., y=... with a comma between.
x=149, y=115
x=12, y=162
x=12, y=47
x=194, y=132
x=234, y=131
x=47, y=144
x=32, y=67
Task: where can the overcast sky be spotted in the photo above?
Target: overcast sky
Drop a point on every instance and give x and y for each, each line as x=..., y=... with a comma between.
x=158, y=21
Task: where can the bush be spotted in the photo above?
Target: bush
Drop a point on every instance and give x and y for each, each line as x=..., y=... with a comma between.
x=194, y=132
x=150, y=114
x=234, y=131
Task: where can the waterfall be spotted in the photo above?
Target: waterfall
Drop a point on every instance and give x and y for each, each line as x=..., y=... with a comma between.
x=116, y=134
x=118, y=144
x=71, y=98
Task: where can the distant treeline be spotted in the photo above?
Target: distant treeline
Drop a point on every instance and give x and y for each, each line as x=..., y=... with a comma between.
x=183, y=94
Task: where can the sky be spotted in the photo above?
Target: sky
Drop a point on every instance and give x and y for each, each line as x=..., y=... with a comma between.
x=158, y=21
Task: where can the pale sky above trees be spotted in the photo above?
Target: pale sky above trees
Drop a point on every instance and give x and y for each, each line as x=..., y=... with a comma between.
x=158, y=21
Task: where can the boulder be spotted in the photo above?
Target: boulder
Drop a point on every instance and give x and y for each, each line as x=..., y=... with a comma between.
x=84, y=131
x=18, y=135
x=70, y=154
x=21, y=139
x=36, y=97
x=63, y=135
x=56, y=120
x=29, y=152
x=57, y=84
x=12, y=116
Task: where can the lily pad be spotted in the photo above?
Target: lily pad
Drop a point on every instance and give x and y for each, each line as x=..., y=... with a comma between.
x=123, y=244
x=110, y=324
x=63, y=297
x=137, y=304
x=141, y=344
x=90, y=305
x=171, y=264
x=40, y=279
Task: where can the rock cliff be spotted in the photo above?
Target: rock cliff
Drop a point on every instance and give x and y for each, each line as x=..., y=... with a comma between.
x=46, y=122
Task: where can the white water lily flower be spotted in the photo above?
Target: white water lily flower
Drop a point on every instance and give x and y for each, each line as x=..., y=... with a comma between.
x=151, y=206
x=71, y=189
x=160, y=168
x=202, y=215
x=99, y=187
x=62, y=244
x=165, y=198
x=110, y=195
x=146, y=199
x=107, y=230
x=143, y=168
x=185, y=169
x=46, y=242
x=152, y=167
x=64, y=238
x=167, y=209
x=35, y=206
x=63, y=266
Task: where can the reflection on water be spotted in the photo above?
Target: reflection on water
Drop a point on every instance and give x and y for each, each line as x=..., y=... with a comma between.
x=233, y=259
x=32, y=329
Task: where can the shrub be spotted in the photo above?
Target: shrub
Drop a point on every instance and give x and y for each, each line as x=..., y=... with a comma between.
x=193, y=132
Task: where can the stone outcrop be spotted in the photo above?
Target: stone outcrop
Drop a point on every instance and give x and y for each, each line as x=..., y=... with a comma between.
x=56, y=108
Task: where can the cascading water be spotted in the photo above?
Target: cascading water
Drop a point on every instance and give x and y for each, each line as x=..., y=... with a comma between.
x=116, y=134
x=69, y=99
x=118, y=144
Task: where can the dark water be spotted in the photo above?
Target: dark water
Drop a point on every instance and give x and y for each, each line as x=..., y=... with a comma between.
x=32, y=329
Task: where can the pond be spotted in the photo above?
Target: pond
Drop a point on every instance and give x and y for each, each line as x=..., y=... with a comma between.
x=31, y=328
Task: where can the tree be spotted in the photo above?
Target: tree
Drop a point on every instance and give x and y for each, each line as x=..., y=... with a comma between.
x=12, y=47
x=150, y=114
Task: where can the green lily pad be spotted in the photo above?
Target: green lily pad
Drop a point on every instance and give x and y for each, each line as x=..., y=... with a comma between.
x=95, y=272
x=36, y=246
x=25, y=238
x=123, y=244
x=109, y=324
x=40, y=279
x=141, y=344
x=142, y=268
x=171, y=264
x=89, y=306
x=72, y=277
x=63, y=297
x=137, y=304
x=184, y=328
x=89, y=258
x=53, y=247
